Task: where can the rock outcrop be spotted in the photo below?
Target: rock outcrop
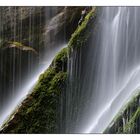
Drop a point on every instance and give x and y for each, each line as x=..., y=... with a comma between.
x=128, y=119
x=26, y=33
x=43, y=111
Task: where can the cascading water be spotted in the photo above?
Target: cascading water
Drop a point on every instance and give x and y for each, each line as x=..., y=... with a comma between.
x=103, y=75
x=20, y=70
x=31, y=83
x=107, y=72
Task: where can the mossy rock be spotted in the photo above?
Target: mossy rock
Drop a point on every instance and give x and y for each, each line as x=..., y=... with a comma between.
x=60, y=61
x=127, y=120
x=82, y=33
x=40, y=111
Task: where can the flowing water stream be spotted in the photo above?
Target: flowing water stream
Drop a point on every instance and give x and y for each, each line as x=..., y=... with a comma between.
x=107, y=72
x=26, y=89
x=118, y=70
x=20, y=68
x=102, y=76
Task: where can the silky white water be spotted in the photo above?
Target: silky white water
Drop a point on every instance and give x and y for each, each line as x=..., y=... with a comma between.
x=103, y=78
x=118, y=72
x=26, y=89
x=105, y=74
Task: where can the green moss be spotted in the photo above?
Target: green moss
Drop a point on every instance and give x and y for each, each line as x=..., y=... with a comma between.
x=57, y=83
x=80, y=36
x=44, y=80
x=129, y=112
x=131, y=124
x=61, y=56
x=39, y=112
x=18, y=44
x=60, y=61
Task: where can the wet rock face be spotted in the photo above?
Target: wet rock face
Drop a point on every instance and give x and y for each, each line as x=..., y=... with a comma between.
x=20, y=23
x=62, y=25
x=37, y=26
x=44, y=110
x=128, y=119
x=40, y=111
x=40, y=28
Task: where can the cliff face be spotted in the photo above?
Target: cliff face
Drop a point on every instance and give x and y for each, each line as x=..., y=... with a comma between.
x=26, y=33
x=34, y=26
x=128, y=119
x=44, y=111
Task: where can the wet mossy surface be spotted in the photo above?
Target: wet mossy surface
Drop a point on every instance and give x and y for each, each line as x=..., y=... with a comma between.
x=26, y=28
x=83, y=32
x=40, y=111
x=128, y=119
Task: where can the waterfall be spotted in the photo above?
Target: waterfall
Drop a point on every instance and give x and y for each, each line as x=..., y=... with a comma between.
x=26, y=89
x=20, y=69
x=109, y=71
x=102, y=75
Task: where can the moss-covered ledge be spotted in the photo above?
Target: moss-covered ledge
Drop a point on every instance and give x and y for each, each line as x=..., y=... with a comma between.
x=128, y=119
x=40, y=111
x=82, y=33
